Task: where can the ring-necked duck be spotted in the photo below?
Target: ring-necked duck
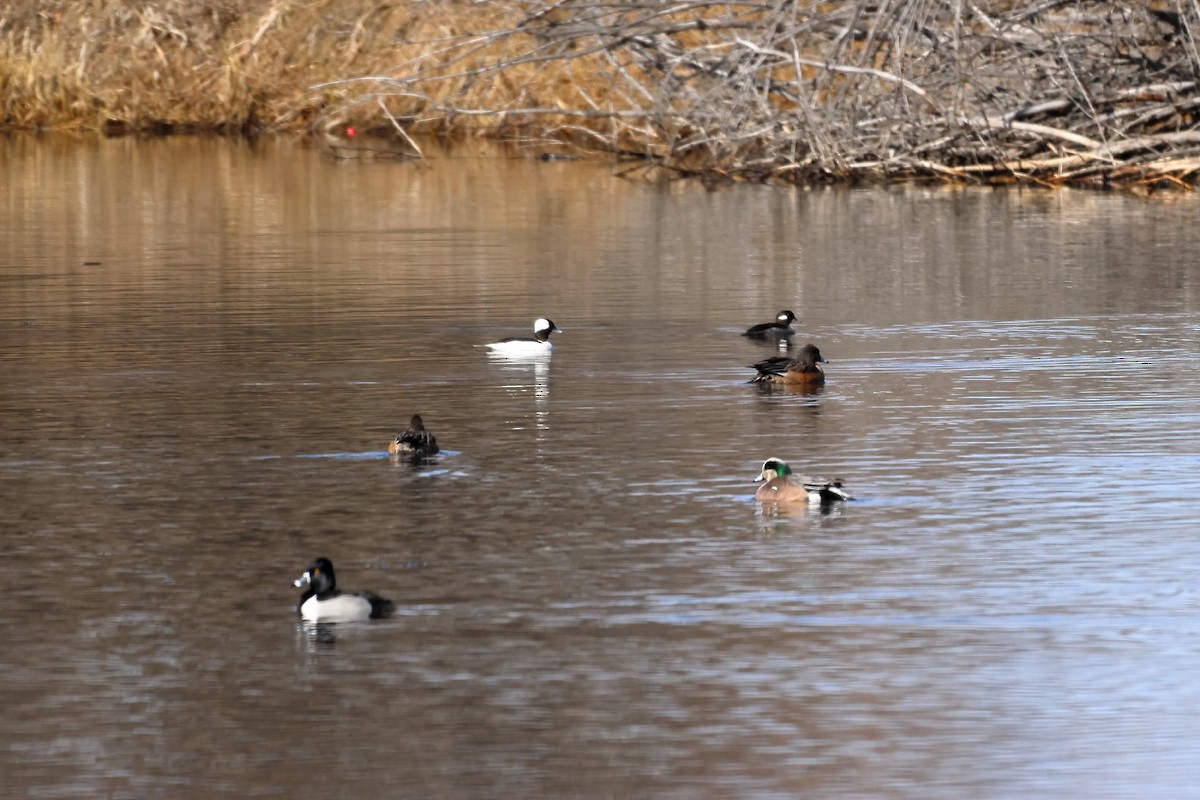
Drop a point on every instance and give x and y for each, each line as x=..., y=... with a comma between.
x=415, y=442
x=804, y=369
x=539, y=344
x=781, y=327
x=780, y=489
x=322, y=601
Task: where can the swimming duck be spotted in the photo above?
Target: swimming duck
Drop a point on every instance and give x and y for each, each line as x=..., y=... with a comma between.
x=780, y=489
x=539, y=344
x=324, y=602
x=415, y=442
x=780, y=328
x=804, y=369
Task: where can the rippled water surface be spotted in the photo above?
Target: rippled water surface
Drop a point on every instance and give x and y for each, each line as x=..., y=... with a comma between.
x=205, y=348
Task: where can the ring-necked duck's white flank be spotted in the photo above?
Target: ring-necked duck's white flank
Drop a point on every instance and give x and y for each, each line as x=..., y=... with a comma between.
x=322, y=601
x=414, y=442
x=781, y=327
x=804, y=369
x=780, y=488
x=538, y=344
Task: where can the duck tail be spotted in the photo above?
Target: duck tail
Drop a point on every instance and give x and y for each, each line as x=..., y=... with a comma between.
x=829, y=491
x=420, y=441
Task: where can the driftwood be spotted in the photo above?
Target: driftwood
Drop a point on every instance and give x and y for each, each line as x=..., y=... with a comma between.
x=1060, y=92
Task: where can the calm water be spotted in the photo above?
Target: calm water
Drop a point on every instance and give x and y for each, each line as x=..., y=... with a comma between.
x=205, y=347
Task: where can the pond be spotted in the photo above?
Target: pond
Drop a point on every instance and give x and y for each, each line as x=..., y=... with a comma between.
x=207, y=345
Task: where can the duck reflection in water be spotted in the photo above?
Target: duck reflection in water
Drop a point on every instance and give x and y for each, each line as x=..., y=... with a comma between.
x=318, y=632
x=523, y=374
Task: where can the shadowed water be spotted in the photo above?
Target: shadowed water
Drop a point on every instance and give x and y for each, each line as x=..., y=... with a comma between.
x=205, y=348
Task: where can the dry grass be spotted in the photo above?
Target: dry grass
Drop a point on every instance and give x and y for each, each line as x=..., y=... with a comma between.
x=1044, y=91
x=223, y=65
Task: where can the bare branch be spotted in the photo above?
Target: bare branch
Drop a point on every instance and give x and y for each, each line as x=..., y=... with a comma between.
x=789, y=90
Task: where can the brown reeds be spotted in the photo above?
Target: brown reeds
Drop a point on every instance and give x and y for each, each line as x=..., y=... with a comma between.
x=203, y=65
x=1050, y=92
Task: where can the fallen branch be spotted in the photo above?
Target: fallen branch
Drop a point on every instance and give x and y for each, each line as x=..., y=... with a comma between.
x=1041, y=130
x=906, y=88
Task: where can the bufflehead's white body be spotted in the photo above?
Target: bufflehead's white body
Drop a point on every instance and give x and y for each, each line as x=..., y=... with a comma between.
x=524, y=347
x=322, y=602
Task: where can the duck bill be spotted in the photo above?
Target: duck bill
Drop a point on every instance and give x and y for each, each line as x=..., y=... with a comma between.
x=303, y=580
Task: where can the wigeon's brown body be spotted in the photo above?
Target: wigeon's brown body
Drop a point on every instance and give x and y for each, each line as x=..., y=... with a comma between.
x=782, y=487
x=415, y=442
x=803, y=370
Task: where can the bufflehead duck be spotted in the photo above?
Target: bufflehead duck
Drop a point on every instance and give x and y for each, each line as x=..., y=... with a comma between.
x=780, y=328
x=539, y=344
x=780, y=489
x=804, y=369
x=415, y=442
x=323, y=602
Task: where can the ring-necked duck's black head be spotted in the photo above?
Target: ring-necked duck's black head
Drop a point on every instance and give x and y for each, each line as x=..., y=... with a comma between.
x=782, y=326
x=319, y=578
x=323, y=602
x=415, y=442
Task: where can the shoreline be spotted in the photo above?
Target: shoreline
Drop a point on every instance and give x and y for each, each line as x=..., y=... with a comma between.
x=1043, y=94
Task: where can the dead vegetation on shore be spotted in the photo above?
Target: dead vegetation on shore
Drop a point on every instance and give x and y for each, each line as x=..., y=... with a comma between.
x=1051, y=92
x=166, y=66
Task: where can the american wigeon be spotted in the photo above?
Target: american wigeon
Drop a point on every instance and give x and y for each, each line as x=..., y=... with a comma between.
x=324, y=602
x=805, y=369
x=780, y=488
x=415, y=442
